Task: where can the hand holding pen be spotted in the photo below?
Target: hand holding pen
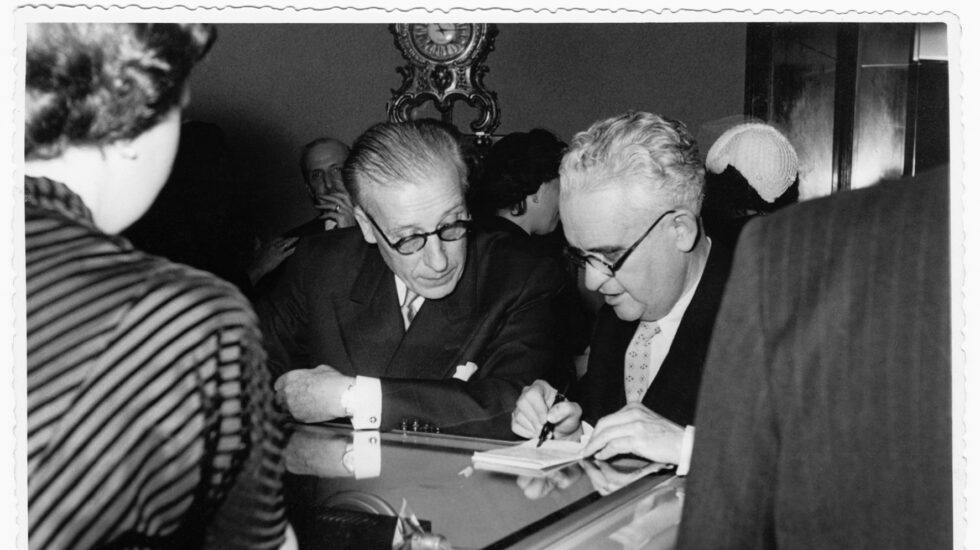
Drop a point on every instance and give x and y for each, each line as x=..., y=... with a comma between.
x=549, y=427
x=537, y=404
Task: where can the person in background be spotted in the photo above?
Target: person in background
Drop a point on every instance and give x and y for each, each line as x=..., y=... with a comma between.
x=518, y=189
x=752, y=171
x=320, y=161
x=631, y=190
x=409, y=320
x=517, y=194
x=150, y=415
x=824, y=419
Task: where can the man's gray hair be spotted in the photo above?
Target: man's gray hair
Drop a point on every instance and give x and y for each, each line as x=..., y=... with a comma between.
x=658, y=149
x=392, y=153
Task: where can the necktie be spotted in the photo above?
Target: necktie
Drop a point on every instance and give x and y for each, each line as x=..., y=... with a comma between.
x=408, y=307
x=636, y=374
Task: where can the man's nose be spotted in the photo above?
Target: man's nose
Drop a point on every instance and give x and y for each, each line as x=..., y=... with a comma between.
x=318, y=181
x=594, y=278
x=335, y=182
x=434, y=254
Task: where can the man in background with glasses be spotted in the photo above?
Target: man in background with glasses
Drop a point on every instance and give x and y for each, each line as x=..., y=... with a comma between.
x=631, y=191
x=409, y=320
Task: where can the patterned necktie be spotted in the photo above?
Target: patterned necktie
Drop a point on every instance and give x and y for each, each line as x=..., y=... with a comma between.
x=636, y=374
x=408, y=307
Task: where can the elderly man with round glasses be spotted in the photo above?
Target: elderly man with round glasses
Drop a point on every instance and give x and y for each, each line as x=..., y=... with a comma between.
x=410, y=320
x=631, y=190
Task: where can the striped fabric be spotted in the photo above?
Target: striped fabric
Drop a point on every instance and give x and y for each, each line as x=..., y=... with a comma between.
x=150, y=416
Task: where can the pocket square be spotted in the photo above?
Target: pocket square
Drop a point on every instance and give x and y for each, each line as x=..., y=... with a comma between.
x=464, y=372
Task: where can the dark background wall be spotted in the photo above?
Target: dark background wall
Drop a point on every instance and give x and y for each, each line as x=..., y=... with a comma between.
x=271, y=88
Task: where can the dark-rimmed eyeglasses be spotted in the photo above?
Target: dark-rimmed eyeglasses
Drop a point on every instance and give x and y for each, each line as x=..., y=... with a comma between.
x=604, y=267
x=411, y=244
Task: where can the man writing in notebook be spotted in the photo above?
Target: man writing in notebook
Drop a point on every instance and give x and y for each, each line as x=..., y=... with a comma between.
x=631, y=190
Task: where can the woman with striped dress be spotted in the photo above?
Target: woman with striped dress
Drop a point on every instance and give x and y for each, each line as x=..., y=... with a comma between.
x=150, y=417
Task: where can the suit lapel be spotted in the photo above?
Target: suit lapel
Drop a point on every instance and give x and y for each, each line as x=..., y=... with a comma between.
x=603, y=391
x=439, y=331
x=673, y=392
x=370, y=322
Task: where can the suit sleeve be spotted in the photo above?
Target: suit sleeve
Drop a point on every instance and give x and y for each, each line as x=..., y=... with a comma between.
x=516, y=346
x=283, y=315
x=733, y=470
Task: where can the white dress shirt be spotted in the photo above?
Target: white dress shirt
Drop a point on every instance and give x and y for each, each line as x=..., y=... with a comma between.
x=363, y=399
x=668, y=324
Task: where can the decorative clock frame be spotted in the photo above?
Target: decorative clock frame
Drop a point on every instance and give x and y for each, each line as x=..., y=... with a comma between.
x=445, y=65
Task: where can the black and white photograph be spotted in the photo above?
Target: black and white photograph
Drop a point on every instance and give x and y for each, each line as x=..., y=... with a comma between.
x=583, y=276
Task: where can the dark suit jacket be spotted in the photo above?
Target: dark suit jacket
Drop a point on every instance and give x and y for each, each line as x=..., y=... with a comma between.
x=307, y=229
x=824, y=416
x=574, y=320
x=337, y=305
x=271, y=279
x=673, y=392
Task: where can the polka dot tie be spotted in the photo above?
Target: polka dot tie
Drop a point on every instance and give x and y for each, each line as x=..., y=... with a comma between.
x=636, y=374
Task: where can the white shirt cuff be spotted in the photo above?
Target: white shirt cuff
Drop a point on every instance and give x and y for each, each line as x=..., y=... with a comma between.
x=687, y=448
x=366, y=454
x=365, y=403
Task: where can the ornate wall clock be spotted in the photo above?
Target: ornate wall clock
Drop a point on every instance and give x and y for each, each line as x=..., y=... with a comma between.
x=445, y=65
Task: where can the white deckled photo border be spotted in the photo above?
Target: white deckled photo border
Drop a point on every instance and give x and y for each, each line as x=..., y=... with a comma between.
x=963, y=29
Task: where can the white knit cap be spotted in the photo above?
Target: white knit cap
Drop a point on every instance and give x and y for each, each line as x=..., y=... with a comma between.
x=763, y=156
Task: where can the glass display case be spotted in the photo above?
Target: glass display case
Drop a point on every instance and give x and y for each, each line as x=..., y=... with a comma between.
x=332, y=487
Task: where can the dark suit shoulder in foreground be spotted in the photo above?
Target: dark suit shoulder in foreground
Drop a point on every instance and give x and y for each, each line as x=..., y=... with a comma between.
x=824, y=415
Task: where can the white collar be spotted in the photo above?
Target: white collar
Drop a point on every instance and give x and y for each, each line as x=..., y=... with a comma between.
x=676, y=313
x=401, y=288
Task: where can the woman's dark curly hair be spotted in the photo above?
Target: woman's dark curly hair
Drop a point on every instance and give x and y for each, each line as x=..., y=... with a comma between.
x=515, y=168
x=92, y=83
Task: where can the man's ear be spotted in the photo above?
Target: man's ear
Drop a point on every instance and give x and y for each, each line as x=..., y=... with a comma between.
x=686, y=228
x=367, y=228
x=536, y=197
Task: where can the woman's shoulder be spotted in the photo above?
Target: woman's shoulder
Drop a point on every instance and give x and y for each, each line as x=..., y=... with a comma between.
x=184, y=317
x=188, y=290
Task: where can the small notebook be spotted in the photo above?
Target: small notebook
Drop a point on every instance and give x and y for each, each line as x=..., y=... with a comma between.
x=528, y=456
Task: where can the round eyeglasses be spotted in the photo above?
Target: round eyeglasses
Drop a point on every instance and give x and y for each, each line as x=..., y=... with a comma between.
x=609, y=269
x=411, y=244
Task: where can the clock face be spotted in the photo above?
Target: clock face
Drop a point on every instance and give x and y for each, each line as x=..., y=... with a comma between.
x=441, y=42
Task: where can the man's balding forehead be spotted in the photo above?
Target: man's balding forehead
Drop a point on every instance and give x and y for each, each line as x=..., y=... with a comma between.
x=328, y=144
